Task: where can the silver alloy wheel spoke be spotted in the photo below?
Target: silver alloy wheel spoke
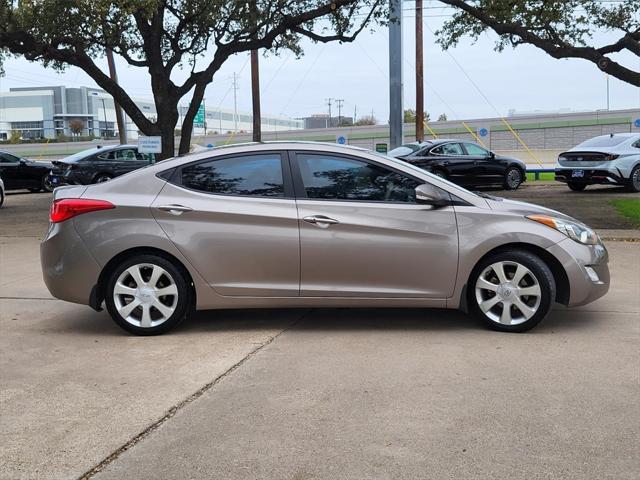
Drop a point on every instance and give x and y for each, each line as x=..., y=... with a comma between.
x=146, y=304
x=506, y=302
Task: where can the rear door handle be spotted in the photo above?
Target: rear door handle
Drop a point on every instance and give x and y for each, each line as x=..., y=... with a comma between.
x=321, y=221
x=174, y=209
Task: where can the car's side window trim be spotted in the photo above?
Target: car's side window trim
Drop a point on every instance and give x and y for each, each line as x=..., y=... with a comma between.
x=301, y=192
x=176, y=177
x=441, y=145
x=466, y=150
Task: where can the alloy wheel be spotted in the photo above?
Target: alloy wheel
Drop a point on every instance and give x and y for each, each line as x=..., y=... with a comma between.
x=145, y=295
x=508, y=293
x=514, y=178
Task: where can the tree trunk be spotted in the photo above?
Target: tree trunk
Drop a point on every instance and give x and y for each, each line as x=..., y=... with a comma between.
x=166, y=124
x=187, y=121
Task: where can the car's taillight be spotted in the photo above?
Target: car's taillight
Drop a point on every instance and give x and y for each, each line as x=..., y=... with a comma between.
x=67, y=208
x=611, y=157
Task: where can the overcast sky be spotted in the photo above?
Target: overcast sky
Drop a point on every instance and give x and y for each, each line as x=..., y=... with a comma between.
x=524, y=79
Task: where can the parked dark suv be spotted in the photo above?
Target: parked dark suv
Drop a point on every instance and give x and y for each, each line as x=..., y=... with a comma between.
x=467, y=163
x=18, y=173
x=98, y=164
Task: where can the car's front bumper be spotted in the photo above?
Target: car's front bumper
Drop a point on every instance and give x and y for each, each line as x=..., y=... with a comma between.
x=589, y=176
x=587, y=270
x=68, y=269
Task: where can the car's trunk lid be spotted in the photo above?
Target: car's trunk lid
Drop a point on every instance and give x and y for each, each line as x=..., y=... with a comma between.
x=583, y=159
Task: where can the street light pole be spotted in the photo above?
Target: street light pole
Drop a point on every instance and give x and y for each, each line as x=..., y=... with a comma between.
x=104, y=112
x=419, y=75
x=395, y=74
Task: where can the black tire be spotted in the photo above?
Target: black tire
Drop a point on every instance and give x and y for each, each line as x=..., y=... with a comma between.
x=47, y=186
x=1, y=197
x=513, y=178
x=633, y=184
x=102, y=177
x=577, y=187
x=180, y=304
x=538, y=305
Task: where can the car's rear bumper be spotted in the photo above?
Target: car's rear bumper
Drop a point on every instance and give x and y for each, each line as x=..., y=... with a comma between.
x=582, y=264
x=589, y=176
x=68, y=269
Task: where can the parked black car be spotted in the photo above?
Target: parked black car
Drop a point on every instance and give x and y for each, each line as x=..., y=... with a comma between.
x=18, y=173
x=467, y=163
x=98, y=164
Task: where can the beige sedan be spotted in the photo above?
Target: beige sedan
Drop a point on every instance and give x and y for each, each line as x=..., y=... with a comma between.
x=310, y=225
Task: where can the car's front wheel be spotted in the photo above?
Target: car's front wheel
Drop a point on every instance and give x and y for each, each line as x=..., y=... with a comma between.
x=634, y=180
x=47, y=186
x=511, y=291
x=147, y=294
x=577, y=187
x=102, y=177
x=513, y=178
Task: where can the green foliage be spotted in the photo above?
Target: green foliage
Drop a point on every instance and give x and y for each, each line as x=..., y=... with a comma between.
x=163, y=37
x=442, y=117
x=562, y=28
x=366, y=120
x=629, y=208
x=410, y=116
x=15, y=136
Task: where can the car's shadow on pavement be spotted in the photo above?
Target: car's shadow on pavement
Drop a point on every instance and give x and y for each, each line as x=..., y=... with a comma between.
x=86, y=322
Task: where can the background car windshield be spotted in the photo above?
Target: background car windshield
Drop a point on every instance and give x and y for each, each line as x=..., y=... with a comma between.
x=604, y=141
x=253, y=175
x=338, y=178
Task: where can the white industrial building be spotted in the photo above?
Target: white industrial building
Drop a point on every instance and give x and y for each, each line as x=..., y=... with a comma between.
x=45, y=112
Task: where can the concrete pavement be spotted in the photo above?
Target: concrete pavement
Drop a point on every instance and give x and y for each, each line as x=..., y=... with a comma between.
x=312, y=393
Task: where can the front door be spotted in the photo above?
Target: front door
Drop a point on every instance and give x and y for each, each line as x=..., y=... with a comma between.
x=363, y=235
x=235, y=219
x=486, y=169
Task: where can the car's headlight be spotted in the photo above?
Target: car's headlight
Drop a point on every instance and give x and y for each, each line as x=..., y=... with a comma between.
x=574, y=230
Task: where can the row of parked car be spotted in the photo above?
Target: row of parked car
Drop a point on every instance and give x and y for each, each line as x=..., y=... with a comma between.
x=94, y=165
x=612, y=159
x=607, y=159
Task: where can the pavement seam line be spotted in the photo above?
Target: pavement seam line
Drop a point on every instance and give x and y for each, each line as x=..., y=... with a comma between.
x=183, y=403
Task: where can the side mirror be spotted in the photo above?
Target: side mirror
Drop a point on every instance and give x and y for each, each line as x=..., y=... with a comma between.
x=492, y=155
x=431, y=195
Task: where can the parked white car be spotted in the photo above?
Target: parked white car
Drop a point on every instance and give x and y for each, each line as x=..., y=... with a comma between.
x=612, y=159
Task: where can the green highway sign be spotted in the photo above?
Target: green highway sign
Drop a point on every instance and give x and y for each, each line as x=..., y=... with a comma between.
x=381, y=147
x=199, y=120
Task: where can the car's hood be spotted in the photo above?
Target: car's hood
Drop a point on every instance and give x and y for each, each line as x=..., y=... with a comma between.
x=523, y=208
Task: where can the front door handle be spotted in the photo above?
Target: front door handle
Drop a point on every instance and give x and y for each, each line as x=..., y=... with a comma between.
x=174, y=209
x=321, y=221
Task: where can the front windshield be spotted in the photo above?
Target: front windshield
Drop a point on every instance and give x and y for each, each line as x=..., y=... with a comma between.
x=404, y=164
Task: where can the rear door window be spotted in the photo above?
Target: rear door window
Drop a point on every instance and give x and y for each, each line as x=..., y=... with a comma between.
x=257, y=175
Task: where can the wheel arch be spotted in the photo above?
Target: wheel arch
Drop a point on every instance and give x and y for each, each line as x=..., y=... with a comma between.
x=98, y=292
x=563, y=287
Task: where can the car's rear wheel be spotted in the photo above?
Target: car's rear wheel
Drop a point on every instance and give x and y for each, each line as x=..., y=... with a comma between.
x=634, y=180
x=1, y=197
x=147, y=294
x=511, y=291
x=577, y=187
x=102, y=177
x=513, y=178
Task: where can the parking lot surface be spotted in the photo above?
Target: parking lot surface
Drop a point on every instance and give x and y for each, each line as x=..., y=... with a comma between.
x=325, y=393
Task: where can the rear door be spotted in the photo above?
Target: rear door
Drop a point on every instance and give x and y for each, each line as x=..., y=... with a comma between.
x=458, y=165
x=362, y=234
x=235, y=219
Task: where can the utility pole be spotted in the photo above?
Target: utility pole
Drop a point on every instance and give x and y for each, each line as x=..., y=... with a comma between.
x=339, y=101
x=328, y=101
x=255, y=96
x=396, y=135
x=122, y=128
x=235, y=103
x=419, y=75
x=104, y=113
x=355, y=113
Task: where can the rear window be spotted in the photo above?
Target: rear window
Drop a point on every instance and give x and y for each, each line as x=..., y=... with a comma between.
x=603, y=141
